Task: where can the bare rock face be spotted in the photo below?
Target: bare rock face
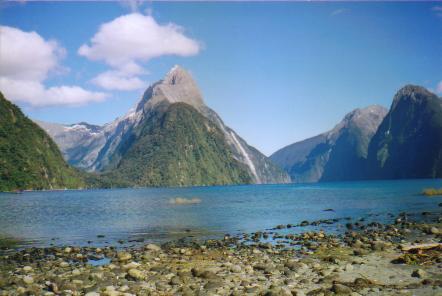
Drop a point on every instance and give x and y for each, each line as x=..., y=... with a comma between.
x=102, y=148
x=178, y=86
x=338, y=154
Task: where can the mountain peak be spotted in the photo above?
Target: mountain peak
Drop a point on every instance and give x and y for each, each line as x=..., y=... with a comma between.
x=412, y=93
x=367, y=119
x=177, y=75
x=177, y=86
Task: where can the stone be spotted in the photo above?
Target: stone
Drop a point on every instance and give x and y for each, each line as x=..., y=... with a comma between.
x=124, y=256
x=153, y=248
x=235, y=268
x=434, y=230
x=360, y=252
x=135, y=274
x=341, y=289
x=175, y=280
x=27, y=269
x=304, y=223
x=28, y=280
x=419, y=273
x=131, y=265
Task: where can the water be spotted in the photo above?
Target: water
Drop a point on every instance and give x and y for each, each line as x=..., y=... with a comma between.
x=79, y=217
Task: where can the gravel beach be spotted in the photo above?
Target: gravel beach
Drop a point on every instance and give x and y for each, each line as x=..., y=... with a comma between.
x=403, y=258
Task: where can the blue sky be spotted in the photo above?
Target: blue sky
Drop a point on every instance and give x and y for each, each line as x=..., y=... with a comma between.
x=276, y=72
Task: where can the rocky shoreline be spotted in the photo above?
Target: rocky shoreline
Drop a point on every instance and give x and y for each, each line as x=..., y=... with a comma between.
x=402, y=258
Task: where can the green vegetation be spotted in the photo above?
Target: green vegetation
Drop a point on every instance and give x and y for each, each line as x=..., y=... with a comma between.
x=432, y=191
x=177, y=146
x=29, y=159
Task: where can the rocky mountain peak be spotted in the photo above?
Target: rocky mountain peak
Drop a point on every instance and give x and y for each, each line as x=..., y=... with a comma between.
x=177, y=86
x=177, y=75
x=412, y=94
x=367, y=119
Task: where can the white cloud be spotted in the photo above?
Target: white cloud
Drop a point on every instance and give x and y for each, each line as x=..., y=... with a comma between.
x=439, y=88
x=131, y=39
x=26, y=59
x=116, y=80
x=36, y=94
x=26, y=55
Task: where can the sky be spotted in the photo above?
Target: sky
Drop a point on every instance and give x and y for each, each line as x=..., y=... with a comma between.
x=276, y=72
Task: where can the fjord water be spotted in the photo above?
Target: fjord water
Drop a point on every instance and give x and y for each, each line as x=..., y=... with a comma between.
x=84, y=217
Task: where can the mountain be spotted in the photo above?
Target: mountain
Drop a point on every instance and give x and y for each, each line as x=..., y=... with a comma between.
x=338, y=154
x=408, y=143
x=141, y=147
x=29, y=158
x=176, y=145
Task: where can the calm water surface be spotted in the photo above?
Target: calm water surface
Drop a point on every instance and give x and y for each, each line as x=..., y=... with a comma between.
x=76, y=217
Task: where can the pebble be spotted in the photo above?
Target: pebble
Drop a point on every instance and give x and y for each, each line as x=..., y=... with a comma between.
x=27, y=269
x=124, y=256
x=341, y=289
x=135, y=274
x=153, y=247
x=28, y=280
x=419, y=273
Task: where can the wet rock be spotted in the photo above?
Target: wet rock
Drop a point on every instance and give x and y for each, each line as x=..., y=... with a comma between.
x=419, y=273
x=52, y=287
x=304, y=223
x=124, y=256
x=153, y=248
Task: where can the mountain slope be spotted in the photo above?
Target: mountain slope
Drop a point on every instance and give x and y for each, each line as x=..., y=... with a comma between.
x=29, y=159
x=408, y=143
x=105, y=150
x=335, y=155
x=177, y=146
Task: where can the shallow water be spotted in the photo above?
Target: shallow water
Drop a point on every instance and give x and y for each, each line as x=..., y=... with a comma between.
x=102, y=217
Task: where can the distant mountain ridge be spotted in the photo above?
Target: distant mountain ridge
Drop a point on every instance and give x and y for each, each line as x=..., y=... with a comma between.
x=103, y=149
x=333, y=155
x=371, y=143
x=29, y=158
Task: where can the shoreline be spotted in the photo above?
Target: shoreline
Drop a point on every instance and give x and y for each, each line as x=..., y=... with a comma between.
x=368, y=259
